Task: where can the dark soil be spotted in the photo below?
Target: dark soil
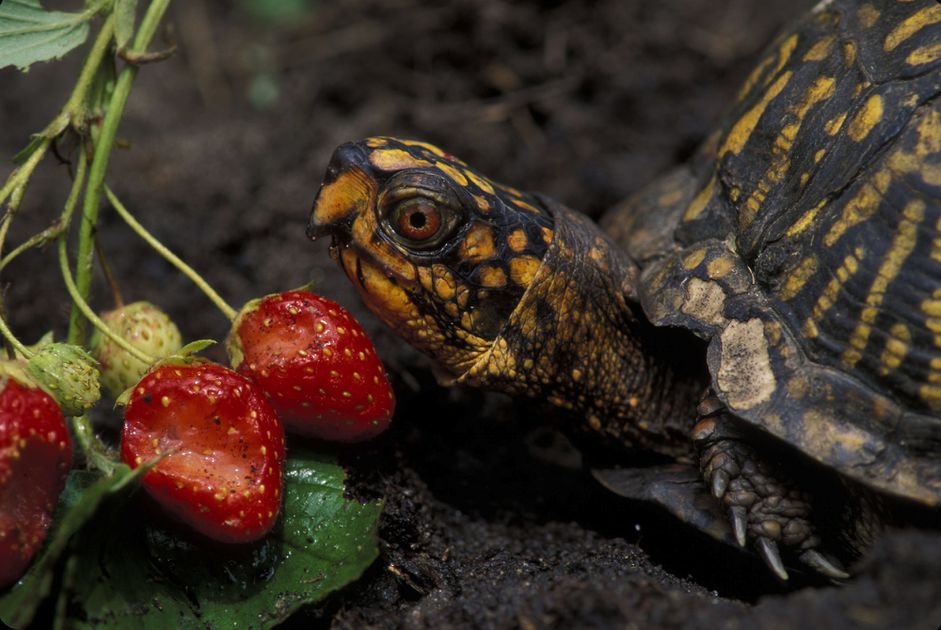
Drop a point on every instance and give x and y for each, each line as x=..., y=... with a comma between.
x=490, y=519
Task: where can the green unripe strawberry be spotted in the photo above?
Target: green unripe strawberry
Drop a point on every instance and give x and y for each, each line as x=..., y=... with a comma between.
x=145, y=327
x=69, y=374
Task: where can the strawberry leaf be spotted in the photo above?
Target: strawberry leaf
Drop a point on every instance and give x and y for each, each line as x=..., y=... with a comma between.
x=83, y=494
x=29, y=33
x=136, y=571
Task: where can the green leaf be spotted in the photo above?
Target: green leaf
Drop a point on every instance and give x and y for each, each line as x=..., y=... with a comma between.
x=83, y=494
x=124, y=13
x=29, y=34
x=138, y=573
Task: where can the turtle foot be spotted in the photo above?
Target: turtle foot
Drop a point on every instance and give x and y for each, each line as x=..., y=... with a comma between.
x=766, y=508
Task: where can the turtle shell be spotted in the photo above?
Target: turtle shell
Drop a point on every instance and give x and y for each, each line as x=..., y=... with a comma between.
x=804, y=240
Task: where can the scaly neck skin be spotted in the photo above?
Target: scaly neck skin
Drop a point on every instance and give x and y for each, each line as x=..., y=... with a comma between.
x=578, y=341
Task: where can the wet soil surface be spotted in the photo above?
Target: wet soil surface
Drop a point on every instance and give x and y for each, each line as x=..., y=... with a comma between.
x=490, y=520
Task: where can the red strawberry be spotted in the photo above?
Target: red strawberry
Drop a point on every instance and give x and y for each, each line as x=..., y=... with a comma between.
x=222, y=444
x=35, y=458
x=315, y=363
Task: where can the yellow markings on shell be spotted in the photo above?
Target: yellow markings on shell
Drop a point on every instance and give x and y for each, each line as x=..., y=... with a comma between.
x=699, y=202
x=911, y=25
x=798, y=278
x=480, y=182
x=478, y=244
x=832, y=127
x=820, y=50
x=849, y=53
x=931, y=391
x=742, y=129
x=753, y=77
x=452, y=172
x=819, y=155
x=867, y=15
x=806, y=220
x=896, y=347
x=929, y=134
x=395, y=159
x=547, y=235
x=522, y=269
x=492, y=277
x=925, y=54
x=866, y=118
x=903, y=243
x=693, y=259
x=860, y=207
x=517, y=240
x=719, y=267
x=820, y=90
x=784, y=52
x=827, y=298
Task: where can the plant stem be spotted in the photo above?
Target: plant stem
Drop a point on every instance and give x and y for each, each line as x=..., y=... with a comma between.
x=99, y=166
x=96, y=453
x=79, y=302
x=172, y=258
x=12, y=340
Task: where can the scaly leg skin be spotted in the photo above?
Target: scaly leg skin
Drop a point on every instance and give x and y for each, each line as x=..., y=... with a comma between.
x=765, y=507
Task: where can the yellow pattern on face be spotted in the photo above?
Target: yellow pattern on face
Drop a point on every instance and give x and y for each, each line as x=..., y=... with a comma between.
x=522, y=269
x=478, y=244
x=452, y=172
x=394, y=160
x=517, y=240
x=492, y=277
x=482, y=184
x=347, y=195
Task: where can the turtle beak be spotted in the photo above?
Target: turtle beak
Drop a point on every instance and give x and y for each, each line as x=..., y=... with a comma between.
x=346, y=190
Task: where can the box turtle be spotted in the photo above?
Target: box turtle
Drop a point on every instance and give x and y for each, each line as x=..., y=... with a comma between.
x=791, y=270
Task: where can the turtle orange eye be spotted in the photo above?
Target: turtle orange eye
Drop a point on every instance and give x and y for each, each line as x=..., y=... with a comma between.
x=418, y=220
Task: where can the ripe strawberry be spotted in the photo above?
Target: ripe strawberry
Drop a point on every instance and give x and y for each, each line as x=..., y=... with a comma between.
x=222, y=444
x=35, y=458
x=316, y=364
x=146, y=327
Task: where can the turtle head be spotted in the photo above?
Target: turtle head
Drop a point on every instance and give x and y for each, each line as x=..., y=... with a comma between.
x=438, y=252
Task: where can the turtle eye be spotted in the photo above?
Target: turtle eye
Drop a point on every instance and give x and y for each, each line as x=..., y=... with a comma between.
x=418, y=221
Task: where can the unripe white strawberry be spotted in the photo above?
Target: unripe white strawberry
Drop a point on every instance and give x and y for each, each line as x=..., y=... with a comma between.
x=145, y=327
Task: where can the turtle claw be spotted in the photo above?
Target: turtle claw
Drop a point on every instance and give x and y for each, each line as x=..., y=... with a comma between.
x=772, y=557
x=824, y=565
x=739, y=517
x=720, y=483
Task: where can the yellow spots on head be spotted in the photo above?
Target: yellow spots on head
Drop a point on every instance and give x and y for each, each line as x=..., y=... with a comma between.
x=480, y=182
x=699, y=202
x=693, y=259
x=819, y=155
x=482, y=204
x=522, y=269
x=492, y=277
x=463, y=294
x=478, y=244
x=925, y=54
x=911, y=25
x=740, y=132
x=806, y=220
x=456, y=175
x=820, y=50
x=528, y=207
x=424, y=145
x=860, y=207
x=444, y=282
x=394, y=160
x=426, y=278
x=798, y=278
x=902, y=246
x=867, y=15
x=866, y=118
x=517, y=240
x=844, y=272
x=347, y=194
x=896, y=347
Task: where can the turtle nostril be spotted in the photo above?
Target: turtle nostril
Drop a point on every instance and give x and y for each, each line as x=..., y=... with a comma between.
x=345, y=157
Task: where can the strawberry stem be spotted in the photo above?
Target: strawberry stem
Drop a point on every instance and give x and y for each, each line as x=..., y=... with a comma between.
x=12, y=340
x=99, y=166
x=79, y=302
x=96, y=453
x=172, y=258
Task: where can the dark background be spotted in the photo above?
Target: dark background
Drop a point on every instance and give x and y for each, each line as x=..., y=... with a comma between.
x=489, y=521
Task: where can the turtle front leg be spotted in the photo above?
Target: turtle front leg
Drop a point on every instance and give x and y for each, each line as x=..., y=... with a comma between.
x=766, y=507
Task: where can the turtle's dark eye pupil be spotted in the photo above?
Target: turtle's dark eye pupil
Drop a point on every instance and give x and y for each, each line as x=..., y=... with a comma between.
x=417, y=220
